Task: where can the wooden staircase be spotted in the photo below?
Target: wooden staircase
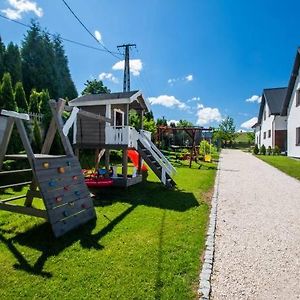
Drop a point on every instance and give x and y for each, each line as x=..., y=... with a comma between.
x=156, y=160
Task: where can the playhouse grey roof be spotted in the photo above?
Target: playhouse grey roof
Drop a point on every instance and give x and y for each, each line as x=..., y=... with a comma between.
x=97, y=97
x=291, y=85
x=274, y=98
x=134, y=97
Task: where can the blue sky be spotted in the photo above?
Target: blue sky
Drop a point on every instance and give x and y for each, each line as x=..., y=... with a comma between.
x=195, y=60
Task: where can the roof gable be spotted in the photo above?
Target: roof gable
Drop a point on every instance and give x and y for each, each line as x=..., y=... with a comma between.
x=274, y=98
x=295, y=73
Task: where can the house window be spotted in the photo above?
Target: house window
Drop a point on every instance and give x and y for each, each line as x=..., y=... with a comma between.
x=298, y=136
x=265, y=133
x=298, y=97
x=269, y=133
x=265, y=115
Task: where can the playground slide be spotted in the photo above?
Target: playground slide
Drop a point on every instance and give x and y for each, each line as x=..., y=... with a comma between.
x=134, y=157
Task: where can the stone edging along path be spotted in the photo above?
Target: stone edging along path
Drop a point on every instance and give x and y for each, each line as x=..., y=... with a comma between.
x=207, y=267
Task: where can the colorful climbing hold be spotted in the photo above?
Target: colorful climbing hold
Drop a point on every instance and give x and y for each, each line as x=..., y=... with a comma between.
x=65, y=213
x=77, y=193
x=61, y=170
x=46, y=165
x=66, y=188
x=75, y=177
x=58, y=199
x=68, y=164
x=52, y=183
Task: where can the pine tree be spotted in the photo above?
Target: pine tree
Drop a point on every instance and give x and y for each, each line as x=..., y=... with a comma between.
x=34, y=102
x=38, y=61
x=65, y=86
x=20, y=98
x=2, y=54
x=7, y=99
x=45, y=108
x=12, y=63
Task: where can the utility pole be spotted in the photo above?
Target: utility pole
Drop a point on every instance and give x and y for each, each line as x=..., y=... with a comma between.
x=126, y=80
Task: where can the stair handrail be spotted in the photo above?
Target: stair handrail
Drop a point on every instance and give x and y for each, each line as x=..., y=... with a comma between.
x=162, y=160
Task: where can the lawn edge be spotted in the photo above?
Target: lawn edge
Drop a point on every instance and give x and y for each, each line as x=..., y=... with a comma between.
x=204, y=289
x=257, y=156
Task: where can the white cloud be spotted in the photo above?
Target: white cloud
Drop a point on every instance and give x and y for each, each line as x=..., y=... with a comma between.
x=254, y=98
x=171, y=81
x=206, y=115
x=189, y=77
x=168, y=101
x=108, y=76
x=136, y=66
x=248, y=124
x=194, y=99
x=19, y=7
x=173, y=121
x=98, y=35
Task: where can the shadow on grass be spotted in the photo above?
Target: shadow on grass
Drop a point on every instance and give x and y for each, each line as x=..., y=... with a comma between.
x=41, y=238
x=150, y=194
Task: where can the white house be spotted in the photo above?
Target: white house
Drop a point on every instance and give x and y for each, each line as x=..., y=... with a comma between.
x=271, y=127
x=291, y=109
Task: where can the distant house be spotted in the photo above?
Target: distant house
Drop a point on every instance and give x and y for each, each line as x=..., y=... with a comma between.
x=271, y=127
x=291, y=109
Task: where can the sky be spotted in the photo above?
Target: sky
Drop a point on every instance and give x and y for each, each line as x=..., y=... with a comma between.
x=195, y=60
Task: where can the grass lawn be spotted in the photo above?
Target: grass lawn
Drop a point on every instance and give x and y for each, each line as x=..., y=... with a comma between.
x=146, y=244
x=286, y=164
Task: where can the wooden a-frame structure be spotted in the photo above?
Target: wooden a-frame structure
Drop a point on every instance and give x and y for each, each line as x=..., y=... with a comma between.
x=57, y=179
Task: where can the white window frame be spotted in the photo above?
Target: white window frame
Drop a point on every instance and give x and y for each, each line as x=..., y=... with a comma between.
x=116, y=110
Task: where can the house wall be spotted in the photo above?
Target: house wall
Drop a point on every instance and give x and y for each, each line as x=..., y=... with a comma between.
x=293, y=121
x=267, y=125
x=90, y=131
x=258, y=135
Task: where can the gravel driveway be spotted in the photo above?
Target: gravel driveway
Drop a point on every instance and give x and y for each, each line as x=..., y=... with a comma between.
x=257, y=250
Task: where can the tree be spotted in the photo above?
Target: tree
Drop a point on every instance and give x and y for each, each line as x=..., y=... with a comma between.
x=184, y=123
x=20, y=98
x=37, y=137
x=45, y=107
x=226, y=132
x=161, y=122
x=66, y=87
x=2, y=54
x=12, y=63
x=251, y=138
x=95, y=87
x=38, y=59
x=7, y=99
x=34, y=102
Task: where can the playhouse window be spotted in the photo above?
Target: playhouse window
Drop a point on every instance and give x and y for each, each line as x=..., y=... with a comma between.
x=298, y=136
x=269, y=133
x=265, y=134
x=118, y=117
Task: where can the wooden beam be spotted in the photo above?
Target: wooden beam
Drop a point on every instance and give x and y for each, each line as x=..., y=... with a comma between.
x=51, y=132
x=5, y=139
x=125, y=164
x=55, y=108
x=12, y=198
x=2, y=187
x=30, y=211
x=94, y=116
x=15, y=172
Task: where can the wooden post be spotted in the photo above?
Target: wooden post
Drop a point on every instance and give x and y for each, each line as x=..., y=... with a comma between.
x=142, y=119
x=97, y=151
x=5, y=140
x=107, y=154
x=125, y=164
x=51, y=132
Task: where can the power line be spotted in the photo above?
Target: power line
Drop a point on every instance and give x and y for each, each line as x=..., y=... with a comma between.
x=87, y=30
x=62, y=38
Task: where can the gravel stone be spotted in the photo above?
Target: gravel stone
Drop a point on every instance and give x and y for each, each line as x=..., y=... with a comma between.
x=257, y=239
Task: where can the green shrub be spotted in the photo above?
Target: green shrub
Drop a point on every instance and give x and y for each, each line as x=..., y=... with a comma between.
x=269, y=150
x=255, y=150
x=262, y=150
x=276, y=150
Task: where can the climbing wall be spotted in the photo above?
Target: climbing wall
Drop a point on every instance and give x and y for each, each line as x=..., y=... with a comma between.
x=66, y=197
